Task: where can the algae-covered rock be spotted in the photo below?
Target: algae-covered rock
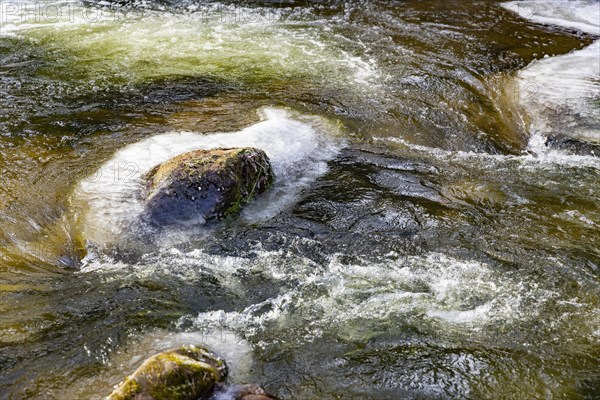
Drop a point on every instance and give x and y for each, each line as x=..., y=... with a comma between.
x=186, y=373
x=205, y=185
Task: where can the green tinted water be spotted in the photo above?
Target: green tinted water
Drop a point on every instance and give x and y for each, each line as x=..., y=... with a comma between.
x=437, y=256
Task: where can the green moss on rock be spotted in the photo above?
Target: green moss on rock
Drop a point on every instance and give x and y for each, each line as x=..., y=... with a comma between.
x=186, y=373
x=206, y=184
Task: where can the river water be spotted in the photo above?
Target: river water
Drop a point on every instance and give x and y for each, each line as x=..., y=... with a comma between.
x=434, y=231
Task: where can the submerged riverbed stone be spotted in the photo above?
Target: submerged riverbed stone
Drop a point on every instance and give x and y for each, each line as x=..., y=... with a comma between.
x=204, y=185
x=186, y=373
x=247, y=392
x=573, y=145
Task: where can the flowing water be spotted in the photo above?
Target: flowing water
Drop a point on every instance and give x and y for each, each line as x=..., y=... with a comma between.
x=434, y=231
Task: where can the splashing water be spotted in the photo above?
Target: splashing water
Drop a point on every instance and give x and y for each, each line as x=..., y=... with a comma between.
x=430, y=235
x=562, y=94
x=298, y=151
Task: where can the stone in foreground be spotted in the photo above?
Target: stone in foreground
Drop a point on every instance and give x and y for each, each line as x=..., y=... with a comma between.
x=186, y=373
x=205, y=185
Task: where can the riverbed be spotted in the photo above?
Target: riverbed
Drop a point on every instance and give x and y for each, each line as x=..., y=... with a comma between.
x=434, y=229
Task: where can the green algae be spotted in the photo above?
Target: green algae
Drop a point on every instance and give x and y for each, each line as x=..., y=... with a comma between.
x=211, y=184
x=185, y=373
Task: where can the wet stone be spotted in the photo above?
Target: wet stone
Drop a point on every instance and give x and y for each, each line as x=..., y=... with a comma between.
x=186, y=373
x=205, y=185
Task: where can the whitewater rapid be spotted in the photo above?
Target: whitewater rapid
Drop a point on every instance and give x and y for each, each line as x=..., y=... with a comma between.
x=562, y=93
x=298, y=146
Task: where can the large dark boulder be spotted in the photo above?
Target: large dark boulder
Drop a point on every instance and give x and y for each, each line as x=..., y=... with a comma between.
x=205, y=185
x=186, y=373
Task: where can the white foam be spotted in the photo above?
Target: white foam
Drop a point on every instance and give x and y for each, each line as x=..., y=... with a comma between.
x=232, y=42
x=433, y=292
x=565, y=88
x=298, y=148
x=435, y=289
x=561, y=91
x=540, y=156
x=579, y=14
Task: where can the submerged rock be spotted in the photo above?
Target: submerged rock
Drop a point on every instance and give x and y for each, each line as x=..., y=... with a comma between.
x=249, y=392
x=243, y=392
x=205, y=185
x=575, y=146
x=186, y=373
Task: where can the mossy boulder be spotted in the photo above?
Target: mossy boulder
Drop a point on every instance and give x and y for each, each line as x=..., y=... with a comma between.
x=186, y=373
x=205, y=185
